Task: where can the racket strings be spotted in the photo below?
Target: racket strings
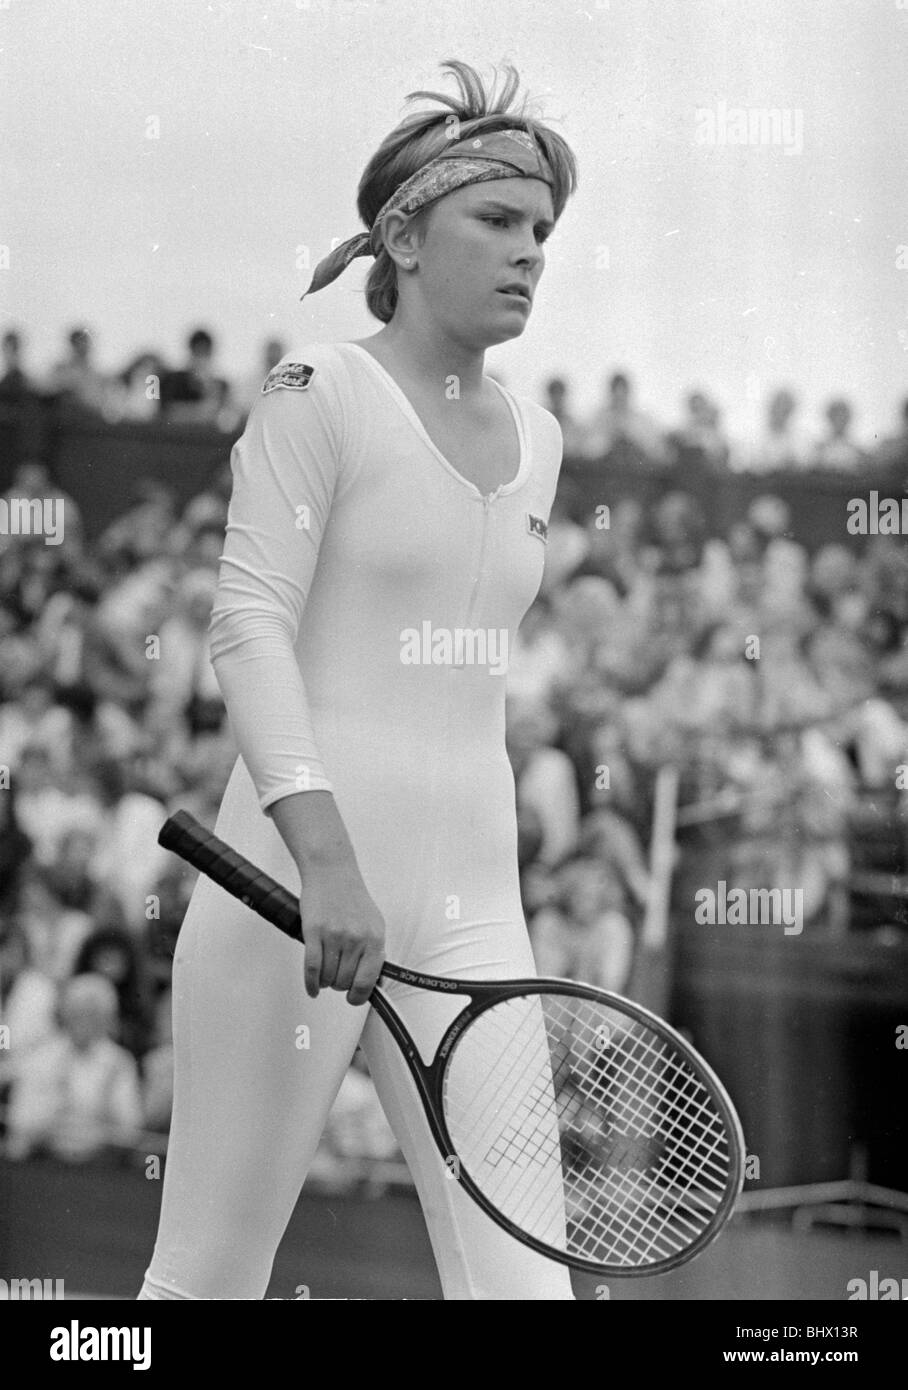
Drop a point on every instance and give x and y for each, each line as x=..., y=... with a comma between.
x=587, y=1129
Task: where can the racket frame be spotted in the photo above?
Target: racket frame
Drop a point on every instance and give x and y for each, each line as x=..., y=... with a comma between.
x=483, y=995
x=187, y=837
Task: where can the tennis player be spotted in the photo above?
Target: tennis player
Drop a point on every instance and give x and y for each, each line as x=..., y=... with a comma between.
x=386, y=534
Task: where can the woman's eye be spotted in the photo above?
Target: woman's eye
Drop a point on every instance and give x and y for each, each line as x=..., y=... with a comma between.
x=505, y=221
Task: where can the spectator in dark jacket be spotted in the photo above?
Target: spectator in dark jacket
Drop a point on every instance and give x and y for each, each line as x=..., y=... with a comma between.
x=195, y=395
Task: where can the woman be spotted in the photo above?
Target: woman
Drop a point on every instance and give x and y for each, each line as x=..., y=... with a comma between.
x=110, y=951
x=383, y=489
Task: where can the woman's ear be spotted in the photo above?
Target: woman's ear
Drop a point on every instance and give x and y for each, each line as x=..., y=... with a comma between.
x=401, y=237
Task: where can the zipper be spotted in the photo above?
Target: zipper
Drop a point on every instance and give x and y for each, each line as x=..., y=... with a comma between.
x=486, y=505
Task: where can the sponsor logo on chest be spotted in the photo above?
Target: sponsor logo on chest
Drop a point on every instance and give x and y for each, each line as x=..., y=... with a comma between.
x=537, y=527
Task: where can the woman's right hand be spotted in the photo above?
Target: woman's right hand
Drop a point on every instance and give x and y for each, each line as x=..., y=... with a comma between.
x=343, y=929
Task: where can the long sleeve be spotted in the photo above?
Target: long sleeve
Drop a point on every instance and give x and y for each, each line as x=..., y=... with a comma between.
x=284, y=468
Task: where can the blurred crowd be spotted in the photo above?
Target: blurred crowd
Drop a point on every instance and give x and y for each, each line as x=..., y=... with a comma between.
x=620, y=431
x=774, y=680
x=150, y=389
x=147, y=389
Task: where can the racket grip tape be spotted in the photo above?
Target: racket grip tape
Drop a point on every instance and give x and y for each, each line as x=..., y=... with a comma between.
x=188, y=838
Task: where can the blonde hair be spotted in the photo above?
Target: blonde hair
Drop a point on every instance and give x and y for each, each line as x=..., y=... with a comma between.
x=422, y=136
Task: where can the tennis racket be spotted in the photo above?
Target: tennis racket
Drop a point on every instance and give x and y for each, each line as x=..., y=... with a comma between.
x=577, y=1120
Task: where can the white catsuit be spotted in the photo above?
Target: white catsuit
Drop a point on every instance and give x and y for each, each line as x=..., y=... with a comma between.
x=347, y=528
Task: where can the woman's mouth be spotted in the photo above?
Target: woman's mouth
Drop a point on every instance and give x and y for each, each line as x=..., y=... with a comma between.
x=515, y=297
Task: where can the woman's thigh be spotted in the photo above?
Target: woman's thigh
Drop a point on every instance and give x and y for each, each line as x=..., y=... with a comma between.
x=476, y=1258
x=257, y=1065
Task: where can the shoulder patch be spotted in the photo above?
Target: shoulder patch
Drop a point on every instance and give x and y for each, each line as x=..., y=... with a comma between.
x=294, y=375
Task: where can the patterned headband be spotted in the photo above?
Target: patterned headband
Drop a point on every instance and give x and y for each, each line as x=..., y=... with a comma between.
x=502, y=154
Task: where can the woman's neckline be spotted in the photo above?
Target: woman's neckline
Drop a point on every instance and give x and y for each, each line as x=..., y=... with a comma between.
x=409, y=410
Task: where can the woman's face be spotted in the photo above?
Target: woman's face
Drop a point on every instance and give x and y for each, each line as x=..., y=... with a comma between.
x=472, y=242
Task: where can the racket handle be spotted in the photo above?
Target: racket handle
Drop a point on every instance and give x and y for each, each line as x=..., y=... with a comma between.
x=188, y=838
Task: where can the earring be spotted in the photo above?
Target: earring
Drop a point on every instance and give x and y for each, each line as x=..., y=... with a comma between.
x=406, y=260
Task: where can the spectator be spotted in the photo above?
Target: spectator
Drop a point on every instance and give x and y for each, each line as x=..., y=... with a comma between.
x=556, y=401
x=129, y=858
x=608, y=837
x=782, y=444
x=35, y=571
x=46, y=809
x=32, y=480
x=35, y=718
x=173, y=889
x=195, y=394
x=63, y=629
x=28, y=993
x=566, y=544
x=185, y=698
x=206, y=768
x=135, y=394
x=785, y=563
x=77, y=1095
x=679, y=533
x=75, y=381
x=621, y=432
x=53, y=928
x=69, y=876
x=15, y=851
x=40, y=951
x=111, y=952
x=200, y=535
x=96, y=673
x=183, y=682
x=614, y=543
x=128, y=615
x=143, y=531
x=20, y=401
x=15, y=386
x=893, y=452
x=710, y=686
x=544, y=777
x=21, y=660
x=539, y=655
x=588, y=937
x=836, y=451
x=700, y=440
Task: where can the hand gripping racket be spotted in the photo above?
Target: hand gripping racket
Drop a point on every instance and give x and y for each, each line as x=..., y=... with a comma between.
x=577, y=1120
